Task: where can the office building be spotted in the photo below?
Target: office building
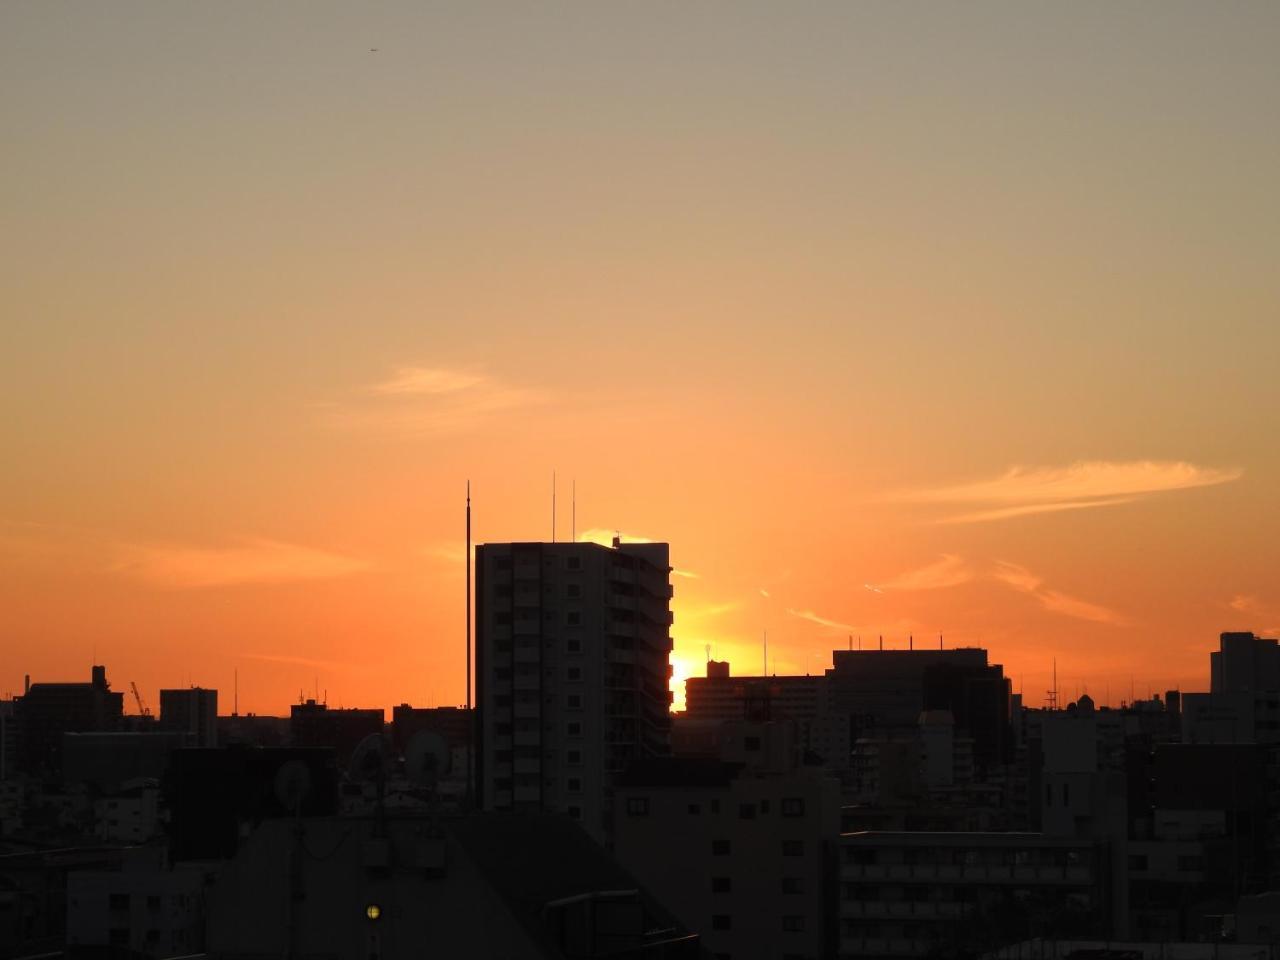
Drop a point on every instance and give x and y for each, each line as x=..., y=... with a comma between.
x=48, y=710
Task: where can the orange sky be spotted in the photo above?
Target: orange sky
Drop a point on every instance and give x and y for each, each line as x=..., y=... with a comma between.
x=891, y=319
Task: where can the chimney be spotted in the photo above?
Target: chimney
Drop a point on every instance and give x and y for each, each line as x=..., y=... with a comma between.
x=100, y=677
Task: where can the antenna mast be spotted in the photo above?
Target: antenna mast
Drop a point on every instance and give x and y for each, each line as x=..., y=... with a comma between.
x=573, y=511
x=470, y=714
x=553, y=506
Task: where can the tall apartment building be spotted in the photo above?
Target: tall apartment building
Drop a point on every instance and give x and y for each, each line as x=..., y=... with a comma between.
x=573, y=644
x=192, y=711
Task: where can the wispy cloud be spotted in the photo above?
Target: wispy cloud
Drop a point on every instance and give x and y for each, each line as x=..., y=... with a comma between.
x=430, y=400
x=710, y=610
x=1245, y=603
x=1055, y=601
x=687, y=574
x=820, y=621
x=301, y=661
x=417, y=381
x=1021, y=491
x=252, y=561
x=445, y=552
x=947, y=571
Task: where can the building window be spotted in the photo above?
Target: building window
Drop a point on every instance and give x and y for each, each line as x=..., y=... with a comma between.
x=747, y=811
x=721, y=884
x=793, y=923
x=575, y=813
x=574, y=563
x=575, y=673
x=575, y=701
x=575, y=785
x=719, y=848
x=573, y=590
x=751, y=743
x=573, y=618
x=1066, y=794
x=575, y=756
x=118, y=901
x=793, y=848
x=575, y=729
x=637, y=806
x=573, y=646
x=1137, y=861
x=695, y=808
x=792, y=807
x=792, y=885
x=721, y=921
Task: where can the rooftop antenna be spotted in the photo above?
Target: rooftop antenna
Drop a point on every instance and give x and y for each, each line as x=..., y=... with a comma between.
x=235, y=707
x=882, y=641
x=470, y=715
x=911, y=641
x=573, y=511
x=766, y=653
x=859, y=641
x=1052, y=699
x=708, y=649
x=939, y=641
x=851, y=641
x=553, y=506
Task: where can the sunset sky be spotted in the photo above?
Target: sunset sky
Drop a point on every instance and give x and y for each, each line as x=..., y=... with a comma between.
x=893, y=319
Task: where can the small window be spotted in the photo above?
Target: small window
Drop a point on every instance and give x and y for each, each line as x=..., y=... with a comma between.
x=575, y=813
x=574, y=563
x=747, y=811
x=575, y=785
x=575, y=701
x=793, y=807
x=575, y=729
x=792, y=885
x=751, y=743
x=695, y=808
x=637, y=806
x=793, y=923
x=719, y=848
x=721, y=921
x=575, y=673
x=721, y=885
x=793, y=848
x=575, y=756
x=573, y=590
x=573, y=646
x=573, y=618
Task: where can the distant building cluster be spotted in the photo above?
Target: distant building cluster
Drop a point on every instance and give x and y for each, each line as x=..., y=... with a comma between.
x=901, y=804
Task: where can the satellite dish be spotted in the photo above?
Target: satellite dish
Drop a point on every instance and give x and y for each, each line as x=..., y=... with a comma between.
x=293, y=783
x=426, y=758
x=369, y=759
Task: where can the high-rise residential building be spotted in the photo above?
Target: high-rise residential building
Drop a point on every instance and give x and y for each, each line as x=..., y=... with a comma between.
x=192, y=711
x=573, y=644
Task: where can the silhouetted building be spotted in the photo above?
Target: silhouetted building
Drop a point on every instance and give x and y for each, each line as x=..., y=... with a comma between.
x=449, y=723
x=48, y=710
x=961, y=894
x=216, y=797
x=105, y=760
x=313, y=724
x=250, y=729
x=1243, y=702
x=884, y=690
x=744, y=852
x=484, y=886
x=192, y=711
x=572, y=670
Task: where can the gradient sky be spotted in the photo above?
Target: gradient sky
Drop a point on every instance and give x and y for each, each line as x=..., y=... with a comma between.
x=893, y=318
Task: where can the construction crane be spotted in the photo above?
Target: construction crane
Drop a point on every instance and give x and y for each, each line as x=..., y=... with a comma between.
x=143, y=709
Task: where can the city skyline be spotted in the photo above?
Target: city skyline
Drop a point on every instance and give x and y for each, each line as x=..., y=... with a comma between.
x=890, y=324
